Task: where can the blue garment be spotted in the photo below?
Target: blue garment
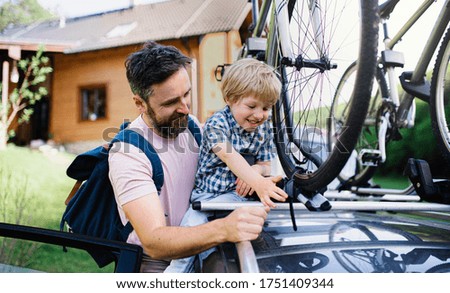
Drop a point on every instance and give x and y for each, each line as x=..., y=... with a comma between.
x=214, y=180
x=213, y=175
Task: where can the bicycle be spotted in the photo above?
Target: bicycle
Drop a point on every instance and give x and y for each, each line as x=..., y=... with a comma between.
x=310, y=43
x=388, y=112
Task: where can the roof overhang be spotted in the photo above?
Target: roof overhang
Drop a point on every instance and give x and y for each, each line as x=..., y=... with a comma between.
x=34, y=45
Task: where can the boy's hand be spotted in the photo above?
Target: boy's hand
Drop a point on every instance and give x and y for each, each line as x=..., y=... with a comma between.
x=242, y=188
x=266, y=189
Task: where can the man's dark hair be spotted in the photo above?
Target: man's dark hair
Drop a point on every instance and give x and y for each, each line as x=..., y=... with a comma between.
x=153, y=64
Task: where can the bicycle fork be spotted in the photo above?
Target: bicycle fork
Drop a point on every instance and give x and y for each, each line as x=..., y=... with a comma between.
x=323, y=63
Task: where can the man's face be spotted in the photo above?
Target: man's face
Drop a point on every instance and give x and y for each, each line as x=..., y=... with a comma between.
x=169, y=105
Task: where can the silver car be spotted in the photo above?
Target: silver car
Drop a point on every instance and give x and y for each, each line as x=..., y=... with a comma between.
x=353, y=237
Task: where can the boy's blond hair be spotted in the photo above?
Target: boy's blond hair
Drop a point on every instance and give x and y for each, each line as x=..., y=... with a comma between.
x=248, y=77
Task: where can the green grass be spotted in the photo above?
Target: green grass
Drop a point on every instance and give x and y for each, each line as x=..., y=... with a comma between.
x=391, y=181
x=33, y=188
x=44, y=178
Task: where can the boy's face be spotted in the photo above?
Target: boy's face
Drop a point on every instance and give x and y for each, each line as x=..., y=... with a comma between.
x=249, y=112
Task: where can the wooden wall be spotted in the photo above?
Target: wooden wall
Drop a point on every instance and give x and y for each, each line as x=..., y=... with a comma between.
x=215, y=49
x=72, y=71
x=83, y=69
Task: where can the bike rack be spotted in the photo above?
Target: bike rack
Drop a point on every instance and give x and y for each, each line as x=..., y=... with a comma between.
x=246, y=255
x=367, y=199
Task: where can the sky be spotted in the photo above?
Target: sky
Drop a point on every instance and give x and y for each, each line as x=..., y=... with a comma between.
x=414, y=40
x=73, y=8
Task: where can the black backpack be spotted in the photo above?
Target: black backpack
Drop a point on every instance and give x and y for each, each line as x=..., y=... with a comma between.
x=91, y=206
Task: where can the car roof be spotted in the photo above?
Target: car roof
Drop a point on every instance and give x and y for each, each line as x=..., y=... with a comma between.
x=354, y=241
x=361, y=235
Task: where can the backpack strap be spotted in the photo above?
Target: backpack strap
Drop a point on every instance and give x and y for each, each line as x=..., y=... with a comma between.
x=124, y=124
x=74, y=190
x=127, y=229
x=137, y=140
x=195, y=130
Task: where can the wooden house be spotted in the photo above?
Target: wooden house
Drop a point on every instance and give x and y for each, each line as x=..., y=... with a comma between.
x=88, y=90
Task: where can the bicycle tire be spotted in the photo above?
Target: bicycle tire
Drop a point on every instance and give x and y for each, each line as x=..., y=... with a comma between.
x=356, y=172
x=302, y=157
x=440, y=98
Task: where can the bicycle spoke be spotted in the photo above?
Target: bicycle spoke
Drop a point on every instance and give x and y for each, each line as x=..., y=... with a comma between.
x=324, y=41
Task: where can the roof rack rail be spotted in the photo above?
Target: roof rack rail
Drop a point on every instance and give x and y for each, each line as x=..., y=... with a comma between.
x=369, y=196
x=381, y=191
x=247, y=257
x=336, y=206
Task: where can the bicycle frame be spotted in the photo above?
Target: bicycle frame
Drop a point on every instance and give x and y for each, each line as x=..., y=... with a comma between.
x=405, y=104
x=413, y=83
x=260, y=20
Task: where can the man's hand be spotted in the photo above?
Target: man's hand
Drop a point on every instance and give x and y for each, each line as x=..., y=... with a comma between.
x=244, y=223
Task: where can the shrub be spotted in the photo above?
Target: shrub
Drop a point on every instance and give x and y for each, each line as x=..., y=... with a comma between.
x=15, y=207
x=418, y=142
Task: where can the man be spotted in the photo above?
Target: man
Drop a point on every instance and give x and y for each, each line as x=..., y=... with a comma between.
x=162, y=93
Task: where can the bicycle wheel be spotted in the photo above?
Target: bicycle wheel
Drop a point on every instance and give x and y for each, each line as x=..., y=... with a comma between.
x=361, y=167
x=440, y=98
x=349, y=31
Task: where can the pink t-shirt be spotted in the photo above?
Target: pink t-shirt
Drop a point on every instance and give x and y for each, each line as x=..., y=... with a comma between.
x=130, y=173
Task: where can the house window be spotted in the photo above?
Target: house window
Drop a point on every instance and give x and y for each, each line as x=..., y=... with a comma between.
x=93, y=103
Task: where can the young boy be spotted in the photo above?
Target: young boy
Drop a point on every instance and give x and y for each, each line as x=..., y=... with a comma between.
x=250, y=88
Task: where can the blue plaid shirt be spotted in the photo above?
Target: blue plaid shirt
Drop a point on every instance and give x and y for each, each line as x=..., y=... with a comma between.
x=213, y=175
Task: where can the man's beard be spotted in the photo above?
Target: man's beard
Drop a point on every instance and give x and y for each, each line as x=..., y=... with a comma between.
x=170, y=127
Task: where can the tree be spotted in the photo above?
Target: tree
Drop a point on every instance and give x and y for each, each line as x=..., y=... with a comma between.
x=21, y=12
x=25, y=95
